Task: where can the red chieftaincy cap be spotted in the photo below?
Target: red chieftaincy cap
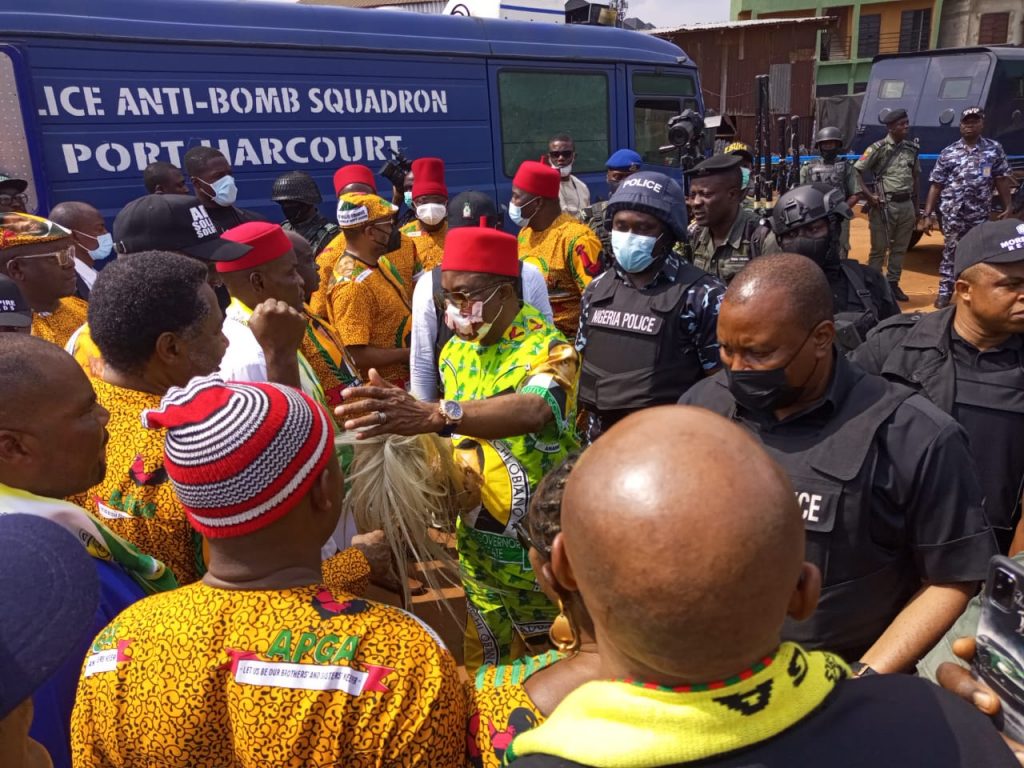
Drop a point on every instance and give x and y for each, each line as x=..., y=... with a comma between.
x=428, y=177
x=481, y=249
x=353, y=174
x=538, y=179
x=267, y=241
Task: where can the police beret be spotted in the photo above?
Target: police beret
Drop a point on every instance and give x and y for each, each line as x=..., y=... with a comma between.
x=991, y=242
x=894, y=115
x=623, y=160
x=715, y=164
x=972, y=112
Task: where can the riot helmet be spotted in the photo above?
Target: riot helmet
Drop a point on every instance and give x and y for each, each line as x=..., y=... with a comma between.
x=831, y=136
x=296, y=186
x=796, y=213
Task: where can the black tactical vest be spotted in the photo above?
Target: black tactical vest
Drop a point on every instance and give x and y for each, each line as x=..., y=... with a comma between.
x=852, y=325
x=833, y=174
x=868, y=573
x=634, y=357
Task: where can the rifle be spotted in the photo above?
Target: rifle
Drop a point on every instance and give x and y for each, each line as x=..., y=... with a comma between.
x=794, y=151
x=762, y=147
x=782, y=182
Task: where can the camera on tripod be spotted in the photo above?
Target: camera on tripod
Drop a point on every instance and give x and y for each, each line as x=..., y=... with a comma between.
x=686, y=134
x=396, y=169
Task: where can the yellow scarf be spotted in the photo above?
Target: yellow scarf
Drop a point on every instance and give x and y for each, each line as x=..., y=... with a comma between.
x=632, y=725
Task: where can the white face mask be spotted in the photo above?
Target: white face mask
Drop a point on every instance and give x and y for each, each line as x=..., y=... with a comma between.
x=104, y=245
x=565, y=170
x=431, y=213
x=224, y=189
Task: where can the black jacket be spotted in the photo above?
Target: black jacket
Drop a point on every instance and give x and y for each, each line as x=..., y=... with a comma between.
x=914, y=350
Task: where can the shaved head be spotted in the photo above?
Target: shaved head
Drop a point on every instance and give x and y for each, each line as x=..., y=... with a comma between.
x=686, y=565
x=31, y=371
x=788, y=285
x=73, y=214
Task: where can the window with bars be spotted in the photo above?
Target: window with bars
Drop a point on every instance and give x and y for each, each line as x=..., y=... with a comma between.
x=868, y=39
x=993, y=28
x=915, y=30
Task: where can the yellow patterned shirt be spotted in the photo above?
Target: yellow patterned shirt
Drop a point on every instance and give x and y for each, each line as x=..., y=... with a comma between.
x=136, y=499
x=369, y=306
x=429, y=245
x=568, y=255
x=500, y=709
x=325, y=263
x=532, y=357
x=406, y=260
x=57, y=326
x=211, y=678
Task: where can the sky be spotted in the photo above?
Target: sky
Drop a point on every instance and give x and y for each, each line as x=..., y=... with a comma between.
x=671, y=13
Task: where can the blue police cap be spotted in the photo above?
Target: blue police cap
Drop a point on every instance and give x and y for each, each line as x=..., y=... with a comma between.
x=623, y=160
x=653, y=193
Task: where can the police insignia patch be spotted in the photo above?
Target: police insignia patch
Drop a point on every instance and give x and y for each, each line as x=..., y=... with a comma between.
x=467, y=210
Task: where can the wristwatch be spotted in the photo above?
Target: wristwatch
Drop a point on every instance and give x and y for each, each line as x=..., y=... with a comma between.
x=860, y=669
x=451, y=412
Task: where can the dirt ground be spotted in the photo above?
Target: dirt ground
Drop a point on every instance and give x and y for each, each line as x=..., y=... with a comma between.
x=920, y=278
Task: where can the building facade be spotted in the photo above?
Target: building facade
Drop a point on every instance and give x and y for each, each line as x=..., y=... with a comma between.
x=981, y=22
x=863, y=29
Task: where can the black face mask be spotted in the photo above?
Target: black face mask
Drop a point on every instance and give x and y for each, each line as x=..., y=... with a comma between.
x=817, y=249
x=295, y=212
x=767, y=390
x=829, y=155
x=393, y=242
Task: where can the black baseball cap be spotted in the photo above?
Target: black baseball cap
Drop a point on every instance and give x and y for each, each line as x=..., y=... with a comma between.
x=11, y=181
x=715, y=165
x=992, y=242
x=172, y=223
x=473, y=209
x=47, y=605
x=14, y=310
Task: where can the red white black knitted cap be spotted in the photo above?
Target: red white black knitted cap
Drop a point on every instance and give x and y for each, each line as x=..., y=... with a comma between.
x=240, y=455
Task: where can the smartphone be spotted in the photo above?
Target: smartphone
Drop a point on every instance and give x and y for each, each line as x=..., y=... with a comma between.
x=999, y=660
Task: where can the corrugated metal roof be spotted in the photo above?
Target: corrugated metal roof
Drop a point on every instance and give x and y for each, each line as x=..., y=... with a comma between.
x=818, y=21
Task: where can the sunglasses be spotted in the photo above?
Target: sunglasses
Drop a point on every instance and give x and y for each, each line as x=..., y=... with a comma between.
x=526, y=541
x=566, y=153
x=21, y=197
x=462, y=298
x=64, y=257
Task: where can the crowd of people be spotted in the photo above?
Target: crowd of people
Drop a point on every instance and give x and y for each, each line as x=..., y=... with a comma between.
x=714, y=498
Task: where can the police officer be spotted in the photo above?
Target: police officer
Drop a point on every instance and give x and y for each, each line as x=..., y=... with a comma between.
x=894, y=164
x=647, y=325
x=298, y=195
x=891, y=502
x=809, y=220
x=620, y=166
x=968, y=359
x=964, y=176
x=829, y=168
x=721, y=239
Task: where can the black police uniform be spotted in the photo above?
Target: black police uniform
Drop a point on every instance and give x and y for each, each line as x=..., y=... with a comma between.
x=318, y=231
x=640, y=346
x=860, y=298
x=889, y=497
x=226, y=217
x=984, y=391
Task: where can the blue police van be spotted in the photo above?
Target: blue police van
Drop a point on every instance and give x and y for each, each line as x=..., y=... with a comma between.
x=935, y=87
x=94, y=92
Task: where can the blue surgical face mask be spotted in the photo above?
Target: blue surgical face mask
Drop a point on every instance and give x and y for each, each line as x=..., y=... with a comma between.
x=634, y=253
x=746, y=176
x=515, y=212
x=104, y=246
x=225, y=191
x=408, y=198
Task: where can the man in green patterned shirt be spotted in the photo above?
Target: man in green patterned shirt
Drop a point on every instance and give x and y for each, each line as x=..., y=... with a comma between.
x=510, y=381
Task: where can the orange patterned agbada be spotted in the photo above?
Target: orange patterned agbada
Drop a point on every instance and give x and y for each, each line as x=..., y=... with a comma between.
x=210, y=678
x=57, y=326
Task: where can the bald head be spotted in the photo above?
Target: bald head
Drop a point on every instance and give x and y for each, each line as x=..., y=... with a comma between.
x=74, y=215
x=686, y=565
x=785, y=283
x=31, y=371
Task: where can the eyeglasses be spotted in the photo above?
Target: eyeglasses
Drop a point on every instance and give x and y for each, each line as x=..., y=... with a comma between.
x=64, y=257
x=20, y=197
x=526, y=541
x=462, y=298
x=566, y=153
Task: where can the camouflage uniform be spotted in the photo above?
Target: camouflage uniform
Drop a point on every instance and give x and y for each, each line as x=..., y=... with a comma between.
x=593, y=217
x=899, y=192
x=732, y=255
x=967, y=175
x=318, y=231
x=840, y=175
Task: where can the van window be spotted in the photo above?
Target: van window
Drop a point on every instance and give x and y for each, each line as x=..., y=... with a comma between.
x=650, y=121
x=890, y=89
x=662, y=85
x=535, y=106
x=955, y=88
x=1004, y=119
